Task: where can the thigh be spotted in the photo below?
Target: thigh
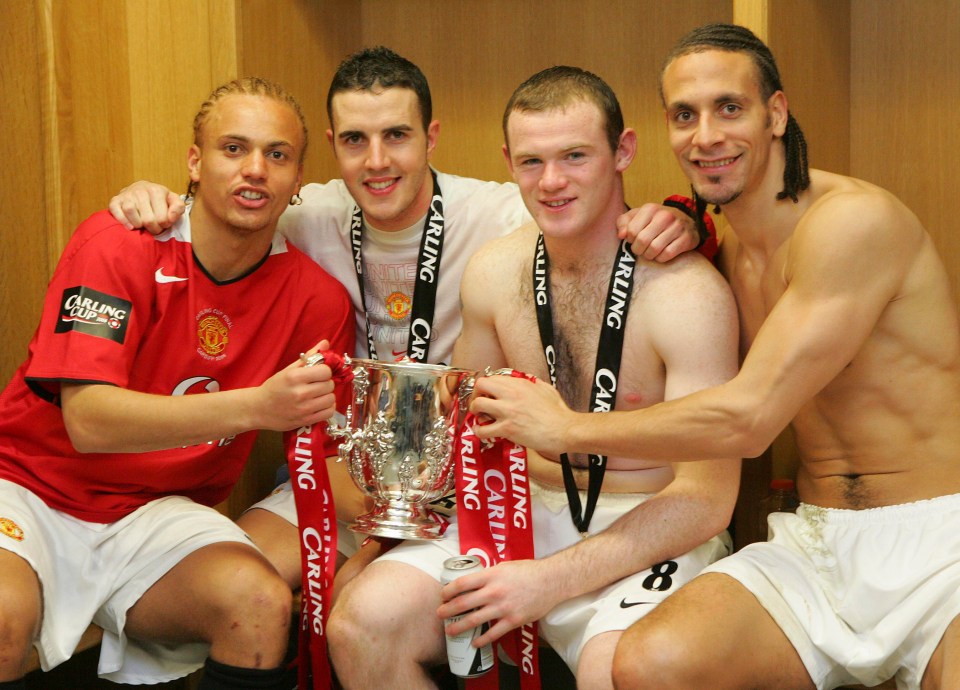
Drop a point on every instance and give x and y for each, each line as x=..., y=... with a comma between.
x=193, y=598
x=570, y=625
x=19, y=614
x=353, y=566
x=51, y=580
x=594, y=668
x=278, y=539
x=397, y=603
x=175, y=558
x=713, y=633
x=943, y=669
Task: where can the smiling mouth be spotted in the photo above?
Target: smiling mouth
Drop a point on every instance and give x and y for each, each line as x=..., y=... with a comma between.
x=557, y=203
x=716, y=164
x=380, y=185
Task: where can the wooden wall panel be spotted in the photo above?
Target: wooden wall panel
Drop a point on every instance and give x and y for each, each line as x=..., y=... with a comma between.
x=476, y=52
x=168, y=79
x=91, y=110
x=23, y=241
x=905, y=99
x=299, y=44
x=810, y=40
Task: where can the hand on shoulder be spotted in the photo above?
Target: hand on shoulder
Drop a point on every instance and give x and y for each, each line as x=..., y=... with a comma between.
x=147, y=205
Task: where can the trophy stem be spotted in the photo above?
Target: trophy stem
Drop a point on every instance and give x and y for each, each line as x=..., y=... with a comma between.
x=398, y=520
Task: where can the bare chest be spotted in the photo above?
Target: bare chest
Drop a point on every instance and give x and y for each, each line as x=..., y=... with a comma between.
x=757, y=286
x=577, y=310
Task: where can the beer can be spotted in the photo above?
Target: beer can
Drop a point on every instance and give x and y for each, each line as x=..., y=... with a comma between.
x=466, y=661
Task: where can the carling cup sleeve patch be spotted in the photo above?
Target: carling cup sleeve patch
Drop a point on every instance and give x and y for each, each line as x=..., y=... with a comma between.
x=95, y=313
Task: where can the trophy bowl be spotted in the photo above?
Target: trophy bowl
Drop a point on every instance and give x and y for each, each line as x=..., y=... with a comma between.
x=399, y=440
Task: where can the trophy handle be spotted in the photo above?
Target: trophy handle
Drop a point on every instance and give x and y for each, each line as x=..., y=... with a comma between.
x=465, y=392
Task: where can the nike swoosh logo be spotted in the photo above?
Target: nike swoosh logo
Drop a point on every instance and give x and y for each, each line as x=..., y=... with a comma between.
x=161, y=278
x=624, y=604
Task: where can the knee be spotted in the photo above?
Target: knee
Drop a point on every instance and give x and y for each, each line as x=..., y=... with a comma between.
x=352, y=624
x=649, y=658
x=256, y=591
x=375, y=613
x=19, y=624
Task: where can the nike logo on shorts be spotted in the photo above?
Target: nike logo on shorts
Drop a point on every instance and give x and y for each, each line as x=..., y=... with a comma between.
x=624, y=604
x=161, y=278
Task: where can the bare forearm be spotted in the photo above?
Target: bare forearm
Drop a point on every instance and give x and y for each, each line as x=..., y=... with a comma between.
x=664, y=527
x=115, y=420
x=707, y=424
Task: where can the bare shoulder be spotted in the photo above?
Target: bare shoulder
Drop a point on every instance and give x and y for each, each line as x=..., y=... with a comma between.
x=501, y=255
x=849, y=210
x=521, y=239
x=492, y=273
x=688, y=277
x=686, y=311
x=685, y=303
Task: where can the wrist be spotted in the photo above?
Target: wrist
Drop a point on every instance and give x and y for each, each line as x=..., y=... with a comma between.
x=574, y=433
x=701, y=221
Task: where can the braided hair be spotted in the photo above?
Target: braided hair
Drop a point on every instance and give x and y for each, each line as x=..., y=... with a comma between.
x=738, y=39
x=245, y=86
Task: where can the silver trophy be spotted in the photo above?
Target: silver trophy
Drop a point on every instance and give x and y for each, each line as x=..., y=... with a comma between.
x=399, y=440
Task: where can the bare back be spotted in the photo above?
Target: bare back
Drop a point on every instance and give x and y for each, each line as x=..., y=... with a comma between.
x=859, y=286
x=677, y=312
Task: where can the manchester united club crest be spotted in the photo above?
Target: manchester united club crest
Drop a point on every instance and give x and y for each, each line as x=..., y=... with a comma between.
x=398, y=306
x=213, y=333
x=11, y=529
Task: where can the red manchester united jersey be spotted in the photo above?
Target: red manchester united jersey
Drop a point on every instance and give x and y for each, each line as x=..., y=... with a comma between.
x=128, y=309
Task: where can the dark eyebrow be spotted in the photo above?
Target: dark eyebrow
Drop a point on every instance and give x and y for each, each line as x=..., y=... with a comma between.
x=401, y=128
x=719, y=100
x=347, y=133
x=235, y=137
x=246, y=140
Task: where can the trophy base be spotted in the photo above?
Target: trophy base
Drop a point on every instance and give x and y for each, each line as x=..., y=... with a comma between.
x=398, y=520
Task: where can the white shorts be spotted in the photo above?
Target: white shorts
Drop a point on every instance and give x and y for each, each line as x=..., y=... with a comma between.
x=862, y=595
x=571, y=624
x=281, y=502
x=96, y=572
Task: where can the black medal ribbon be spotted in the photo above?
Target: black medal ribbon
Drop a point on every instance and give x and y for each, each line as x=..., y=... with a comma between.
x=428, y=275
x=606, y=369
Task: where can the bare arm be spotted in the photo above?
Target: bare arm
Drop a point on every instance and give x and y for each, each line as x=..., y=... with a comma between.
x=147, y=205
x=103, y=418
x=833, y=298
x=694, y=507
x=478, y=346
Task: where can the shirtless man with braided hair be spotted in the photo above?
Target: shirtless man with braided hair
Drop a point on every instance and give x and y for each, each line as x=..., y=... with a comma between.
x=850, y=335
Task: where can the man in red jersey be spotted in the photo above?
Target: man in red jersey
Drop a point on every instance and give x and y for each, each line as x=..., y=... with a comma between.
x=155, y=361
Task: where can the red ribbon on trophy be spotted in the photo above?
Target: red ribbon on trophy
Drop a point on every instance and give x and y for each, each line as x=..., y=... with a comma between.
x=317, y=518
x=496, y=523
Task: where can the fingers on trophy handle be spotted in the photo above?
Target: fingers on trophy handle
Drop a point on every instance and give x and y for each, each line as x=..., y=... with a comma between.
x=311, y=360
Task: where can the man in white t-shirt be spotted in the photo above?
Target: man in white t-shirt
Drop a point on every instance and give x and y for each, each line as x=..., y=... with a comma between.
x=383, y=136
